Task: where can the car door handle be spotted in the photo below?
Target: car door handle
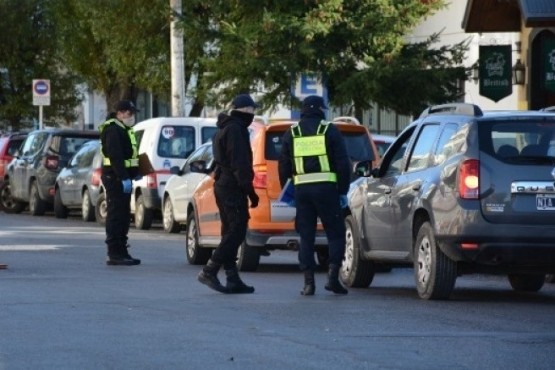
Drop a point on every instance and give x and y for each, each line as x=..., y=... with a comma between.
x=387, y=191
x=416, y=187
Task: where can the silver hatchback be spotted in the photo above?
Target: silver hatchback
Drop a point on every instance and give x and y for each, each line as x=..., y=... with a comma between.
x=459, y=191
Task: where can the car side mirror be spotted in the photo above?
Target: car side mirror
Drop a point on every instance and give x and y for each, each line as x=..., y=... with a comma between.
x=363, y=168
x=201, y=166
x=175, y=170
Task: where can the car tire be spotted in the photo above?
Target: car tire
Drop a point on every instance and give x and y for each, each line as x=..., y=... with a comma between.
x=355, y=272
x=60, y=211
x=143, y=215
x=435, y=273
x=101, y=209
x=526, y=282
x=87, y=208
x=196, y=255
x=168, y=221
x=248, y=258
x=9, y=205
x=37, y=206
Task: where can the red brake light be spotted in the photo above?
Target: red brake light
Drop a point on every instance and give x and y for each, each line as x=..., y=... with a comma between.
x=260, y=177
x=151, y=182
x=469, y=179
x=95, y=178
x=51, y=162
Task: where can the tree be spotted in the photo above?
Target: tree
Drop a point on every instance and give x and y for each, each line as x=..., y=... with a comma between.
x=29, y=52
x=117, y=46
x=357, y=45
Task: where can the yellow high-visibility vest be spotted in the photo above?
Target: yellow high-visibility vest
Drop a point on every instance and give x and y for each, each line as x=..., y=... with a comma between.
x=311, y=146
x=131, y=162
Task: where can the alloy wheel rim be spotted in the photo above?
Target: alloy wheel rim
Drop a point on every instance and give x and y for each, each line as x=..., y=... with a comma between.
x=86, y=204
x=424, y=261
x=348, y=259
x=191, y=238
x=167, y=215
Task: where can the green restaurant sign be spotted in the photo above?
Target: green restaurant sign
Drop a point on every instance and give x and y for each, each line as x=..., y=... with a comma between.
x=495, y=71
x=549, y=64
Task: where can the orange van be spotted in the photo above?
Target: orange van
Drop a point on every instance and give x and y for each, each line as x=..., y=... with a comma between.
x=271, y=225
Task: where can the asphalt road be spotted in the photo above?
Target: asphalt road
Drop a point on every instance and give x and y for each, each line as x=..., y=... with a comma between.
x=61, y=307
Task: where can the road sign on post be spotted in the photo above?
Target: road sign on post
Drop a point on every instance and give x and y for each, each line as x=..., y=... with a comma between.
x=41, y=96
x=308, y=84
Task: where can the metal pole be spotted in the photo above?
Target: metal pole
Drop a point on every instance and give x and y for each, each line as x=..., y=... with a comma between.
x=177, y=62
x=40, y=117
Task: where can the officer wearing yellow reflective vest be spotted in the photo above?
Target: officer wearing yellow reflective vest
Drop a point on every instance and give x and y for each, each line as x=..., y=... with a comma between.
x=314, y=156
x=120, y=165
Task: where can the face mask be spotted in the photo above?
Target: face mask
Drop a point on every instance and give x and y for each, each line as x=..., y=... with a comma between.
x=129, y=121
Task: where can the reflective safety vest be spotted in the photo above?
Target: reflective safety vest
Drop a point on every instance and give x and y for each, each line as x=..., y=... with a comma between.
x=131, y=162
x=311, y=146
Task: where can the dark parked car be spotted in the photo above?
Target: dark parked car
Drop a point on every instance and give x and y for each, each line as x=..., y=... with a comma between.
x=459, y=191
x=31, y=176
x=78, y=184
x=9, y=144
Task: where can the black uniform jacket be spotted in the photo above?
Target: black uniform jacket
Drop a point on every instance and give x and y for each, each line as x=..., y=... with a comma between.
x=116, y=145
x=335, y=148
x=232, y=151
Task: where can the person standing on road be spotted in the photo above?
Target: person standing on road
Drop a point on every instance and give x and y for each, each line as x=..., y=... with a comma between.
x=315, y=158
x=120, y=165
x=233, y=189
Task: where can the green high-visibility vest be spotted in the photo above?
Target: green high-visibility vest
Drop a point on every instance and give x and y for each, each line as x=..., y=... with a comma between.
x=311, y=146
x=131, y=162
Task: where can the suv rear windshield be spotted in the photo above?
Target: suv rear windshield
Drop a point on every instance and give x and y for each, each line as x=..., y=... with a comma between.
x=176, y=141
x=357, y=143
x=518, y=141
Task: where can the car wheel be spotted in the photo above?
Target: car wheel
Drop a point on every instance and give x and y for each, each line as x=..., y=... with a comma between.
x=434, y=272
x=37, y=207
x=143, y=215
x=355, y=272
x=60, y=211
x=170, y=225
x=87, y=208
x=9, y=205
x=248, y=258
x=101, y=209
x=526, y=282
x=196, y=255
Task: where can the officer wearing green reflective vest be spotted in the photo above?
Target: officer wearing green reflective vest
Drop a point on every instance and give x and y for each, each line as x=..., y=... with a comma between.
x=120, y=165
x=314, y=157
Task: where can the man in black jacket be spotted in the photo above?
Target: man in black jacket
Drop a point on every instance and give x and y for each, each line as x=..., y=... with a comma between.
x=120, y=165
x=233, y=188
x=314, y=156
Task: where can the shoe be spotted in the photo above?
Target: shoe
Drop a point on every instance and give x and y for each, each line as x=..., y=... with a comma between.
x=136, y=260
x=209, y=277
x=122, y=261
x=234, y=283
x=309, y=285
x=333, y=284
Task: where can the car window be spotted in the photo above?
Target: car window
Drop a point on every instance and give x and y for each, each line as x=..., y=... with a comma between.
x=419, y=158
x=274, y=141
x=13, y=146
x=84, y=157
x=195, y=156
x=66, y=146
x=207, y=133
x=392, y=163
x=446, y=145
x=176, y=141
x=358, y=146
x=34, y=144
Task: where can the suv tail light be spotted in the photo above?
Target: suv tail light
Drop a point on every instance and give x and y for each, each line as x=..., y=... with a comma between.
x=95, y=178
x=469, y=179
x=151, y=182
x=51, y=162
x=260, y=177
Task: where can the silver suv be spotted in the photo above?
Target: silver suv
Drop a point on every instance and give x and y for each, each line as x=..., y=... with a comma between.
x=459, y=191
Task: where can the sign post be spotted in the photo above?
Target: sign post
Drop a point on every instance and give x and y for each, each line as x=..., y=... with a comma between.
x=41, y=95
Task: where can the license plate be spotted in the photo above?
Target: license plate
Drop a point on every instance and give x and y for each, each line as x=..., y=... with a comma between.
x=545, y=202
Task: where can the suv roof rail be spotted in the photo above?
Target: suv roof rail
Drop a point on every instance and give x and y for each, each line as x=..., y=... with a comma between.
x=548, y=109
x=347, y=119
x=453, y=108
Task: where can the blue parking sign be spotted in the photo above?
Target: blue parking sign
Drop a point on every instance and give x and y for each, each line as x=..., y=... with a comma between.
x=308, y=84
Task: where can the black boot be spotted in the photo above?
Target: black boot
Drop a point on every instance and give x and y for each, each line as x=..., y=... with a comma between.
x=209, y=276
x=235, y=284
x=333, y=284
x=309, y=286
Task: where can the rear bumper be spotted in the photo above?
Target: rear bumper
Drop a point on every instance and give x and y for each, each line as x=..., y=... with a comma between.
x=286, y=240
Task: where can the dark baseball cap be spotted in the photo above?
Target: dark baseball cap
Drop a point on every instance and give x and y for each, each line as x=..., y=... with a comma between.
x=242, y=101
x=126, y=105
x=314, y=101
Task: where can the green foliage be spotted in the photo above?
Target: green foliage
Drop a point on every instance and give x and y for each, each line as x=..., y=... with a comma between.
x=27, y=39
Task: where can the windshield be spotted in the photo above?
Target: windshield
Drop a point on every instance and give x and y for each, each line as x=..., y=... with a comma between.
x=176, y=141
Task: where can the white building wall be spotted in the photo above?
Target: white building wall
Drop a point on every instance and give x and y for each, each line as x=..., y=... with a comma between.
x=449, y=22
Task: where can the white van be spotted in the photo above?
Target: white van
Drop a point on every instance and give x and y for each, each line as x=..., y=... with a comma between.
x=167, y=141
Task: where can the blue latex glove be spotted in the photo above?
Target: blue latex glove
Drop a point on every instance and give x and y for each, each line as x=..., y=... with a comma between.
x=343, y=201
x=127, y=186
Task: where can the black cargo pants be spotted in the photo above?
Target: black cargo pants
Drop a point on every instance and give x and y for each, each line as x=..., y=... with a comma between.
x=118, y=216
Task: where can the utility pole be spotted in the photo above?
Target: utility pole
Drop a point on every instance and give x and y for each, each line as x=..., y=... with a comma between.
x=177, y=61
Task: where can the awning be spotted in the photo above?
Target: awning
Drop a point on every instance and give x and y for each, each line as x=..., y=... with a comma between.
x=506, y=15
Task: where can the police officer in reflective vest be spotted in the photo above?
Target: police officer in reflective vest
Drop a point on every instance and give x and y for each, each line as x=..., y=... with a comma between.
x=120, y=165
x=314, y=156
